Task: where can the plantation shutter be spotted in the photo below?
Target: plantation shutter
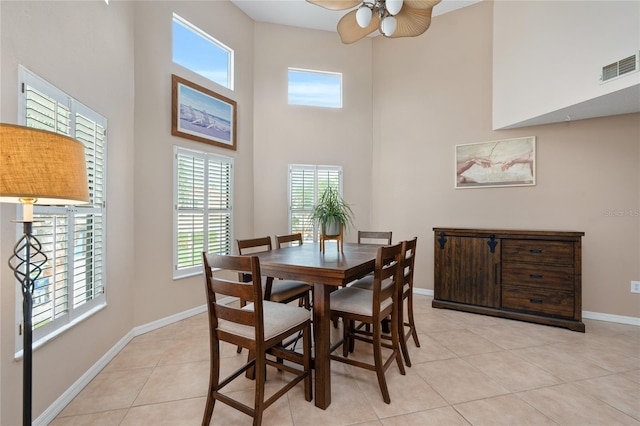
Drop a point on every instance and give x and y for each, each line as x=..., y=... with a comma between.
x=190, y=208
x=203, y=208
x=306, y=184
x=219, y=211
x=72, y=281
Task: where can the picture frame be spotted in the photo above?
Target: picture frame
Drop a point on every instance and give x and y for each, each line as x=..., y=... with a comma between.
x=202, y=115
x=505, y=162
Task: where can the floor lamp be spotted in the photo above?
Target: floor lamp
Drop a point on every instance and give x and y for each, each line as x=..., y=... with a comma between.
x=36, y=167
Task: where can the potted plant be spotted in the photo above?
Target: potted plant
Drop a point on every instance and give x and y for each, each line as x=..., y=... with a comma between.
x=332, y=212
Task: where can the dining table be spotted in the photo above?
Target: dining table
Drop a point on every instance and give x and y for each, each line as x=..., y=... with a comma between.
x=325, y=271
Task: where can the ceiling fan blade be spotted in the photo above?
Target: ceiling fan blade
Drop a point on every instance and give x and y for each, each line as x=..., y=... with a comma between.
x=350, y=31
x=420, y=4
x=336, y=4
x=412, y=22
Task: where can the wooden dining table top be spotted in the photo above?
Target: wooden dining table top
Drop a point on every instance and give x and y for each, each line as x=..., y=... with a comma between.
x=325, y=271
x=308, y=263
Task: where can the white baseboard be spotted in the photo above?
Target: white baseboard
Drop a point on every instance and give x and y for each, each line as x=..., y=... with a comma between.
x=56, y=408
x=598, y=316
x=423, y=291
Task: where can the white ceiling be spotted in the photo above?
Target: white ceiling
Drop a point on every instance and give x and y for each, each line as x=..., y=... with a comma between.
x=300, y=13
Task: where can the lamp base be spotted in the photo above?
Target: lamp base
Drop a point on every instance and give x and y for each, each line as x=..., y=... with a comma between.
x=29, y=260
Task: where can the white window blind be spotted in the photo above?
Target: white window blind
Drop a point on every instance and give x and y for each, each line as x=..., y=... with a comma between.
x=203, y=201
x=72, y=282
x=306, y=184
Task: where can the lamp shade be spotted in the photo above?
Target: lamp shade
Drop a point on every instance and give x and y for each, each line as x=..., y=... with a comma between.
x=47, y=167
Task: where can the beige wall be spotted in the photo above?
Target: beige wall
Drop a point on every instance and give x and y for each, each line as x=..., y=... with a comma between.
x=156, y=294
x=433, y=92
x=540, y=64
x=85, y=49
x=408, y=102
x=292, y=134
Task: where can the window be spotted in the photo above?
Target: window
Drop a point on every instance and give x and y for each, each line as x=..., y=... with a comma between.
x=199, y=52
x=315, y=88
x=72, y=283
x=203, y=206
x=306, y=184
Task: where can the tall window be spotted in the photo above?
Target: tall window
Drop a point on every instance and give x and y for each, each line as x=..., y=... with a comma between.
x=306, y=185
x=72, y=283
x=315, y=88
x=197, y=51
x=203, y=207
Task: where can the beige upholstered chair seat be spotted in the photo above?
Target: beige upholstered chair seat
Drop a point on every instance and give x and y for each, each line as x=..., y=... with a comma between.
x=278, y=318
x=285, y=290
x=356, y=301
x=366, y=283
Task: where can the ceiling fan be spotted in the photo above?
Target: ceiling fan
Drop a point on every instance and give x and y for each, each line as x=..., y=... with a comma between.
x=394, y=18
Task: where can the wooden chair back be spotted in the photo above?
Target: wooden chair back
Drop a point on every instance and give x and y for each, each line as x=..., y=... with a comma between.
x=288, y=240
x=409, y=256
x=388, y=266
x=250, y=292
x=374, y=237
x=254, y=245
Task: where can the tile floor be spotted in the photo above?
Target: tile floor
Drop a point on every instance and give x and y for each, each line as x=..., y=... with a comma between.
x=470, y=369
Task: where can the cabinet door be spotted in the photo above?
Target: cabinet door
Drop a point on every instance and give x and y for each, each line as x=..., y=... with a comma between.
x=466, y=270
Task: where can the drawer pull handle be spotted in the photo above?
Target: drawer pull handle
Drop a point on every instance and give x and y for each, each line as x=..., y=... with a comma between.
x=535, y=251
x=537, y=301
x=535, y=275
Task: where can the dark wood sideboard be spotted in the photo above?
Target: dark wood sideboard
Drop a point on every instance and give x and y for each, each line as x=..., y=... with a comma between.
x=532, y=276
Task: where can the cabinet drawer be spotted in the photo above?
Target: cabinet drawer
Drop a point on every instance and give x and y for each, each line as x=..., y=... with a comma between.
x=537, y=251
x=548, y=302
x=552, y=277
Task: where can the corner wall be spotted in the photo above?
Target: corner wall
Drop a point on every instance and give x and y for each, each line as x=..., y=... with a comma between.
x=85, y=49
x=294, y=134
x=156, y=294
x=435, y=91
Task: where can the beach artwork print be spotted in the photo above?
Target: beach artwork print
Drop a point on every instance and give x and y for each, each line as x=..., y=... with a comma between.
x=202, y=115
x=507, y=162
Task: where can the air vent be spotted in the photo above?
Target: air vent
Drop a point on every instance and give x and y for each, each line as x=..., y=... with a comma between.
x=623, y=66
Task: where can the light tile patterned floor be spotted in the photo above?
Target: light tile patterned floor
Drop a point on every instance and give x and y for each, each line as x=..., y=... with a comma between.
x=470, y=369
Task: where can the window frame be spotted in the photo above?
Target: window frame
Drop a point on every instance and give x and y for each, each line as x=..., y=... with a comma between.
x=177, y=19
x=316, y=171
x=315, y=72
x=97, y=252
x=206, y=210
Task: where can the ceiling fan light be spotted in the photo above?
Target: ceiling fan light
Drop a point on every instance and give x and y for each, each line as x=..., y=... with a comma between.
x=388, y=25
x=363, y=16
x=394, y=6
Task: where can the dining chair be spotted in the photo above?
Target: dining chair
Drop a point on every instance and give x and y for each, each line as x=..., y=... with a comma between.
x=370, y=307
x=260, y=327
x=406, y=293
x=374, y=237
x=288, y=240
x=282, y=291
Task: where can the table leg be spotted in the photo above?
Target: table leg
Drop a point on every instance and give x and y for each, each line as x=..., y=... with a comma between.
x=322, y=326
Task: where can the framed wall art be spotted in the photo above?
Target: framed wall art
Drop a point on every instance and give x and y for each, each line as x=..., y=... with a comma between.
x=506, y=162
x=202, y=115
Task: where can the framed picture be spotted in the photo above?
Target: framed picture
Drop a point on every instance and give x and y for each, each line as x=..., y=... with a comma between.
x=507, y=162
x=202, y=115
